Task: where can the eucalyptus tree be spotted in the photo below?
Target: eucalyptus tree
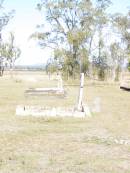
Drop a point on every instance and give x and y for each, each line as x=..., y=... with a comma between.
x=9, y=53
x=68, y=28
x=4, y=19
x=122, y=24
x=117, y=58
x=101, y=25
x=12, y=52
x=127, y=33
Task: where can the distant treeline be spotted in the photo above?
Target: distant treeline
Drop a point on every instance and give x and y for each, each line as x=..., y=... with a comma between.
x=28, y=67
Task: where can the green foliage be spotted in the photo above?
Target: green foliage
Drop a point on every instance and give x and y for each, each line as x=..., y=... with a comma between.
x=9, y=51
x=122, y=23
x=4, y=19
x=77, y=30
x=129, y=65
x=69, y=31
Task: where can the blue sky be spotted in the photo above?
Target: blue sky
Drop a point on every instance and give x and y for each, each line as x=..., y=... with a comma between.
x=120, y=6
x=24, y=23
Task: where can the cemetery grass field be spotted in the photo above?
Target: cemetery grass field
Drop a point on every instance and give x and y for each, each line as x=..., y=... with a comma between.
x=100, y=144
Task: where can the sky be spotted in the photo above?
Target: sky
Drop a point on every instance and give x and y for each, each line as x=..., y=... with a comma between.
x=24, y=23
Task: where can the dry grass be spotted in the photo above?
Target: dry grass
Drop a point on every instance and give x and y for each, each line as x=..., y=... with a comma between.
x=29, y=145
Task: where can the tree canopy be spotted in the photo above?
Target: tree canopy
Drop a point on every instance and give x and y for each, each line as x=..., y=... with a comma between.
x=77, y=31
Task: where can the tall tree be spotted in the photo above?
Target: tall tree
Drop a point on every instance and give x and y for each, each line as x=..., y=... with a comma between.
x=9, y=52
x=69, y=26
x=4, y=19
x=122, y=25
x=117, y=58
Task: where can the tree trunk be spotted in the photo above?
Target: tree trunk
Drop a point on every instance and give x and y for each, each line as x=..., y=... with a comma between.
x=113, y=74
x=1, y=69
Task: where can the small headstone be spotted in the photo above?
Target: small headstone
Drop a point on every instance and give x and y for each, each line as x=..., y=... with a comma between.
x=97, y=105
x=87, y=111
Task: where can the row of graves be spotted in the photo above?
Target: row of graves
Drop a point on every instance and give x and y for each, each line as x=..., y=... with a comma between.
x=80, y=110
